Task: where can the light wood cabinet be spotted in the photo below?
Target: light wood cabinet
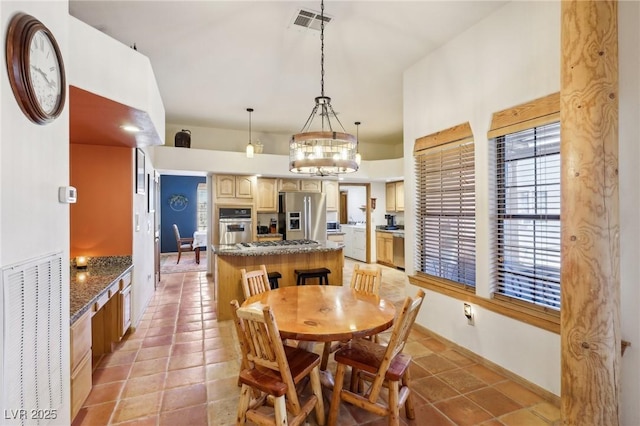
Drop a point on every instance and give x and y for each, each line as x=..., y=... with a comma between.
x=229, y=186
x=80, y=341
x=285, y=184
x=384, y=248
x=400, y=196
x=225, y=186
x=310, y=185
x=267, y=195
x=394, y=196
x=332, y=195
x=306, y=185
x=244, y=187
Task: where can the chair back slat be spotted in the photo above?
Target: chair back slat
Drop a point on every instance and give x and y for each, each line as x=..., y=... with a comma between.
x=399, y=336
x=366, y=280
x=265, y=347
x=255, y=282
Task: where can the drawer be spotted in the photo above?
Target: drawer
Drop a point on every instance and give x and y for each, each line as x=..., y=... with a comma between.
x=80, y=384
x=102, y=300
x=113, y=289
x=125, y=281
x=80, y=339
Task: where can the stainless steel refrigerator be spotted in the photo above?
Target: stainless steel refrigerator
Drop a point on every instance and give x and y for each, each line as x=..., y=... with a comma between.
x=302, y=216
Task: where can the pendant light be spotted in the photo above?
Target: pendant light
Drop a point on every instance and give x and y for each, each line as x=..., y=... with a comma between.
x=323, y=152
x=249, y=146
x=358, y=156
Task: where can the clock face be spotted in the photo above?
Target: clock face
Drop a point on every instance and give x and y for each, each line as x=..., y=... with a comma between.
x=35, y=68
x=45, y=72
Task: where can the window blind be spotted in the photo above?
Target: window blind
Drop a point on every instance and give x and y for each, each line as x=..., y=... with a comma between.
x=446, y=222
x=527, y=255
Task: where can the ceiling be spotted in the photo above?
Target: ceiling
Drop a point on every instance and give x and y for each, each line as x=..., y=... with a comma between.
x=214, y=59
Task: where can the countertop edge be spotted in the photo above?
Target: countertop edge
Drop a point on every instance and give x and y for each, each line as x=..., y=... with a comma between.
x=74, y=317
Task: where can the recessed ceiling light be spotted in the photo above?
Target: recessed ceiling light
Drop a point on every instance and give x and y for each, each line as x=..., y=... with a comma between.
x=130, y=128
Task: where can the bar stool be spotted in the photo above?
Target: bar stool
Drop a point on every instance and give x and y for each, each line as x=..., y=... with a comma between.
x=273, y=279
x=321, y=273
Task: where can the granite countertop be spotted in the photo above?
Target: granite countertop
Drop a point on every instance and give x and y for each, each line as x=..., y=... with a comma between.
x=87, y=285
x=399, y=231
x=269, y=235
x=323, y=246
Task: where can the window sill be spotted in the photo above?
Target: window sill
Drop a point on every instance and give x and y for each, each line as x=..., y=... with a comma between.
x=520, y=312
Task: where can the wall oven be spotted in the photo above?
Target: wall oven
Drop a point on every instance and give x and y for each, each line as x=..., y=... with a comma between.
x=235, y=225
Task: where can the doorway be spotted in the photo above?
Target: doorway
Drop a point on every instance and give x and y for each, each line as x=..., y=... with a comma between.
x=344, y=203
x=362, y=206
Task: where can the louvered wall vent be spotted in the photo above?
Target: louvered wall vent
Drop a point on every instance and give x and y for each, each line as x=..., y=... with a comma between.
x=309, y=19
x=32, y=349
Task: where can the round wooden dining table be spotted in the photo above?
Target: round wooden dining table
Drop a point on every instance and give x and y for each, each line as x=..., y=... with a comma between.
x=325, y=313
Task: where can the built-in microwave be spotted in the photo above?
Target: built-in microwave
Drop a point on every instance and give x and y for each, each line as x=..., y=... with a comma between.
x=333, y=226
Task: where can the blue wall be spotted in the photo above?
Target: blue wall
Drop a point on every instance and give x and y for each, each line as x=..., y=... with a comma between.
x=185, y=216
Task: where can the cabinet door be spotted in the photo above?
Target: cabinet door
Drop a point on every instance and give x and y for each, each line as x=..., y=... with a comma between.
x=267, y=196
x=225, y=186
x=288, y=184
x=244, y=187
x=400, y=196
x=390, y=197
x=332, y=195
x=388, y=249
x=125, y=311
x=379, y=247
x=310, y=185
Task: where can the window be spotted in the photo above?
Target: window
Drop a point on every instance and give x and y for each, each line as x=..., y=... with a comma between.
x=202, y=207
x=446, y=219
x=527, y=228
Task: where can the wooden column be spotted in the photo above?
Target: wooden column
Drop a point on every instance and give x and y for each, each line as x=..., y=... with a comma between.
x=590, y=321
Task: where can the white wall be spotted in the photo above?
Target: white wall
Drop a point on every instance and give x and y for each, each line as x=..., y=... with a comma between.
x=273, y=143
x=34, y=162
x=509, y=58
x=356, y=197
x=484, y=70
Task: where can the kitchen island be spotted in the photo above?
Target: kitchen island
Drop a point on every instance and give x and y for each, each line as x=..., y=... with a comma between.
x=277, y=258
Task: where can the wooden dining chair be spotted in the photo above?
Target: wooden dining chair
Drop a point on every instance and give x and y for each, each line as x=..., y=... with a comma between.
x=378, y=366
x=367, y=281
x=274, y=370
x=255, y=282
x=183, y=243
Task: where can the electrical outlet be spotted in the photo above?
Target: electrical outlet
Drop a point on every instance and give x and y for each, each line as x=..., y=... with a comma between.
x=468, y=313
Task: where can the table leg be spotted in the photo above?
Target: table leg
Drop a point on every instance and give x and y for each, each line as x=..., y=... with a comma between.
x=197, y=250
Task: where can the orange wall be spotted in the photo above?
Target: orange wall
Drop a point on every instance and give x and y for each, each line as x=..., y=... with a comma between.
x=101, y=219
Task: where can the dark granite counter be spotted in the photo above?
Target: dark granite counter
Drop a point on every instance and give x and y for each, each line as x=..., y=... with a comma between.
x=87, y=285
x=323, y=246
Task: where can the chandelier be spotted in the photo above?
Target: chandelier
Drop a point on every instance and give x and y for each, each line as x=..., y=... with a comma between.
x=323, y=152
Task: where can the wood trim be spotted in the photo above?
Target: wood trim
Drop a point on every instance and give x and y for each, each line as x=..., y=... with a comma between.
x=590, y=342
x=529, y=315
x=543, y=393
x=525, y=116
x=452, y=134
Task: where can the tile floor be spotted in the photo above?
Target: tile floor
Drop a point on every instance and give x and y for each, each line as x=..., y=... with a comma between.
x=180, y=367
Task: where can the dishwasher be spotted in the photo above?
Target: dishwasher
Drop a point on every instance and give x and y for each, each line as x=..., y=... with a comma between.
x=398, y=250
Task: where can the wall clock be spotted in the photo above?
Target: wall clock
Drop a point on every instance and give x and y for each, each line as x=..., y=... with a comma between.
x=36, y=70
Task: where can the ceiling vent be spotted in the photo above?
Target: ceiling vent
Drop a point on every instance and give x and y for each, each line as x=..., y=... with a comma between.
x=309, y=19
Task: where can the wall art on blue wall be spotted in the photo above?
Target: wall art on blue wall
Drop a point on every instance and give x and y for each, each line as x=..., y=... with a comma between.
x=178, y=196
